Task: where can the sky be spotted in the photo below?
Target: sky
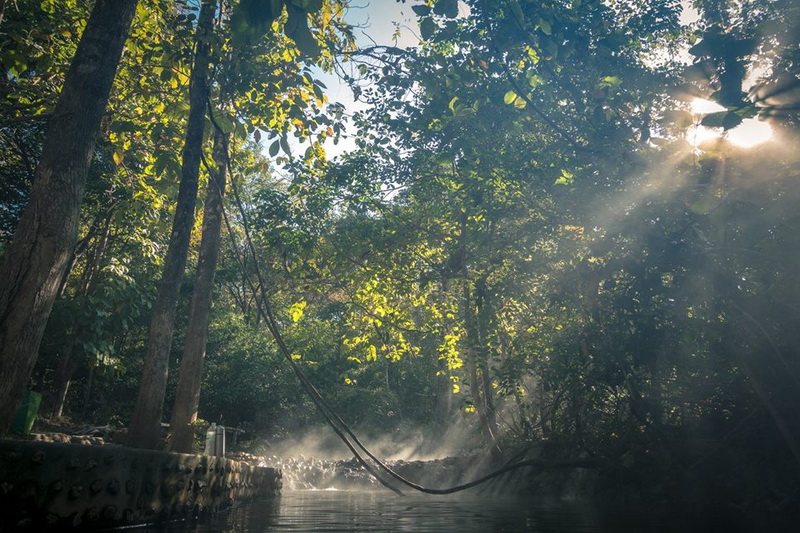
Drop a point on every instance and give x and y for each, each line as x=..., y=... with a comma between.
x=376, y=22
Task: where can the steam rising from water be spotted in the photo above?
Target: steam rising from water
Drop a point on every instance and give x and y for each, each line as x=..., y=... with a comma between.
x=318, y=460
x=401, y=445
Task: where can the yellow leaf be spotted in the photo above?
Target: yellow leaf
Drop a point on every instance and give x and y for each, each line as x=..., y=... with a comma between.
x=117, y=158
x=296, y=310
x=372, y=353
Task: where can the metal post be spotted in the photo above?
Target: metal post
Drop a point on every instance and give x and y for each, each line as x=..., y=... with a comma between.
x=211, y=439
x=219, y=445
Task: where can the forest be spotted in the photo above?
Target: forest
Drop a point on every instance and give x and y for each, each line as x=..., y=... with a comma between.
x=568, y=221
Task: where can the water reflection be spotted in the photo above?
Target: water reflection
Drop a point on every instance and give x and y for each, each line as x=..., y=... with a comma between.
x=380, y=511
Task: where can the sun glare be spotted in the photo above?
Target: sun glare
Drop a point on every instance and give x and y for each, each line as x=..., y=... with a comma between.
x=701, y=106
x=700, y=134
x=750, y=132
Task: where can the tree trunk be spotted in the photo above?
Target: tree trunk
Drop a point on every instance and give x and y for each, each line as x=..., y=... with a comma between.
x=475, y=353
x=35, y=262
x=146, y=419
x=444, y=398
x=485, y=319
x=477, y=374
x=97, y=253
x=68, y=362
x=87, y=389
x=64, y=372
x=187, y=398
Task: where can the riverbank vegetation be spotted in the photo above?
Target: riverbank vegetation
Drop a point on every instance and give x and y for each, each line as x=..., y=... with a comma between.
x=558, y=222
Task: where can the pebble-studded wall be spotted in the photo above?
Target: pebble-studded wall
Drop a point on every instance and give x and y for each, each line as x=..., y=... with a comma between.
x=50, y=485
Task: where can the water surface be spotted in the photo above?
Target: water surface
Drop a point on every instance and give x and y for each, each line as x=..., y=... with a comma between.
x=381, y=510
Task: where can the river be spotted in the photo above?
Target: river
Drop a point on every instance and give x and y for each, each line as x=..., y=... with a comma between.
x=382, y=511
x=327, y=495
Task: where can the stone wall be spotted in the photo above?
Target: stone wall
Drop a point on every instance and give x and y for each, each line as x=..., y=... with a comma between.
x=52, y=485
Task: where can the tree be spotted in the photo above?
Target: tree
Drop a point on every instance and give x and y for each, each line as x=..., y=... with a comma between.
x=146, y=419
x=34, y=264
x=249, y=22
x=127, y=197
x=187, y=397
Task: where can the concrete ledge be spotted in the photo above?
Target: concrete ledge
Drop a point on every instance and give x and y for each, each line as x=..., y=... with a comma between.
x=55, y=486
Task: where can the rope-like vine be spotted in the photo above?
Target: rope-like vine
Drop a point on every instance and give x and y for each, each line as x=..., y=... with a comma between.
x=339, y=426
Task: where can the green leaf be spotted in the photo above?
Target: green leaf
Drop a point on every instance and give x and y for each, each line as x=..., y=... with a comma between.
x=731, y=120
x=225, y=123
x=310, y=6
x=251, y=19
x=446, y=8
x=297, y=30
x=427, y=28
x=610, y=81
x=566, y=178
x=155, y=135
x=421, y=10
x=748, y=110
x=534, y=80
x=318, y=93
x=161, y=165
x=516, y=10
x=509, y=97
x=274, y=148
x=285, y=144
x=452, y=104
x=545, y=27
x=714, y=120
